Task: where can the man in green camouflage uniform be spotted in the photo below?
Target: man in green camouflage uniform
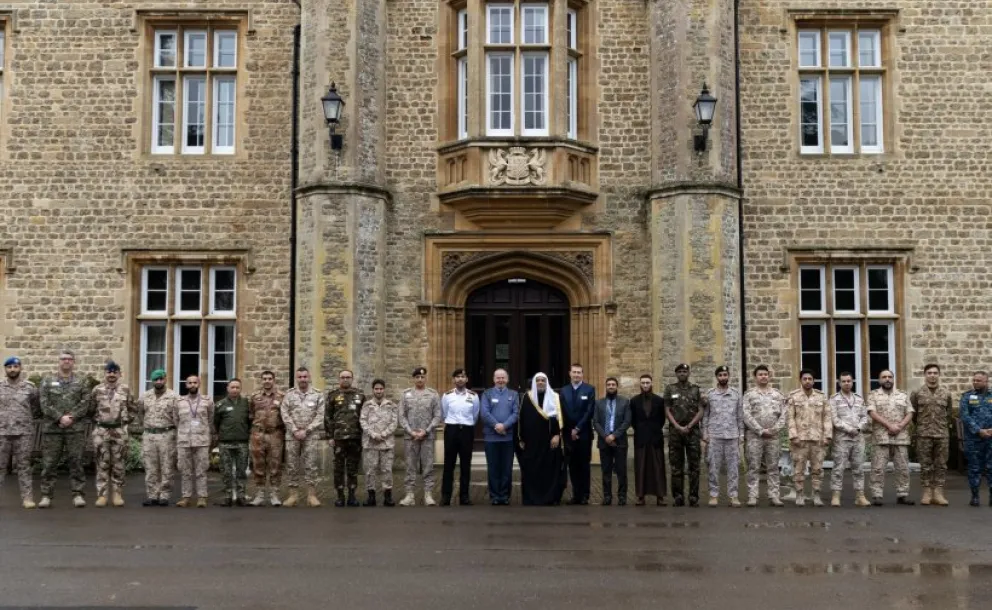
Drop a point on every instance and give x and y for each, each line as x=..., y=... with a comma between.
x=344, y=433
x=65, y=409
x=934, y=410
x=114, y=409
x=233, y=429
x=18, y=408
x=684, y=409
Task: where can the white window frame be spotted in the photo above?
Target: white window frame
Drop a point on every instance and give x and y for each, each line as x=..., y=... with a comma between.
x=879, y=114
x=462, y=97
x=890, y=275
x=186, y=148
x=824, y=351
x=180, y=312
x=876, y=36
x=158, y=48
x=143, y=354
x=3, y=58
x=572, y=29
x=818, y=149
x=144, y=291
x=819, y=49
x=849, y=112
x=217, y=35
x=846, y=35
x=858, y=353
x=215, y=119
x=490, y=131
x=572, y=91
x=822, y=311
x=187, y=35
x=462, y=28
x=492, y=8
x=523, y=92
x=857, y=289
x=542, y=10
x=890, y=348
x=213, y=291
x=211, y=353
x=157, y=113
x=177, y=352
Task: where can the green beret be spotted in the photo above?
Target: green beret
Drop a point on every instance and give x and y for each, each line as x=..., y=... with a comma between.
x=158, y=374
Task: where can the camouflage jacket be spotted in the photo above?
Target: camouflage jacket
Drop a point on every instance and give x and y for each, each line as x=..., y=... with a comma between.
x=158, y=412
x=379, y=421
x=684, y=401
x=18, y=408
x=64, y=397
x=810, y=417
x=112, y=406
x=893, y=408
x=723, y=417
x=302, y=411
x=264, y=411
x=850, y=416
x=342, y=419
x=420, y=410
x=764, y=411
x=194, y=419
x=934, y=410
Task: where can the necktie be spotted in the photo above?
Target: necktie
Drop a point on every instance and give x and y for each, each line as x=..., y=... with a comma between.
x=612, y=405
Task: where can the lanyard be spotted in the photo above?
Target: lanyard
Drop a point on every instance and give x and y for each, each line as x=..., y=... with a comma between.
x=194, y=407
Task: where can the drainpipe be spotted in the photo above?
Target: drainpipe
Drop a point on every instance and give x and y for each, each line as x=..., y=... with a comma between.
x=740, y=189
x=294, y=153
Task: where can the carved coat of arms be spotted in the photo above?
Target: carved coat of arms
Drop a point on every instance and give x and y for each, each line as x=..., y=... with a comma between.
x=517, y=167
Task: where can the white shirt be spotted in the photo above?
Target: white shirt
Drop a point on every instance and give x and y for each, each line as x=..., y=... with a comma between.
x=460, y=408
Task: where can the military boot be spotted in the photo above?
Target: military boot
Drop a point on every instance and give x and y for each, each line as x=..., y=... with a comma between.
x=274, y=498
x=938, y=497
x=294, y=497
x=201, y=502
x=817, y=500
x=835, y=499
x=800, y=499
x=45, y=502
x=117, y=499
x=974, y=497
x=100, y=502
x=28, y=503
x=429, y=499
x=927, y=495
x=905, y=501
x=312, y=500
x=183, y=503
x=259, y=498
x=387, y=497
x=861, y=501
x=789, y=497
x=370, y=498
x=408, y=500
x=226, y=502
x=352, y=500
x=339, y=502
x=78, y=501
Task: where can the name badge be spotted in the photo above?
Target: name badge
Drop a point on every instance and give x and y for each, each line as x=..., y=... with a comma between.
x=585, y=398
x=229, y=409
x=55, y=383
x=409, y=394
x=675, y=395
x=495, y=400
x=358, y=402
x=195, y=423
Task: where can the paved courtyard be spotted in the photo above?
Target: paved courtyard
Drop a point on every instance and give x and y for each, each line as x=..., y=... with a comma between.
x=495, y=557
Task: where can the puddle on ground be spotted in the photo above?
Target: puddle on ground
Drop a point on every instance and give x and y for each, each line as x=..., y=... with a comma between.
x=928, y=569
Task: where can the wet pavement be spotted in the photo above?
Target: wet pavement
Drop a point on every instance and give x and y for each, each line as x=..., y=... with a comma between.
x=496, y=557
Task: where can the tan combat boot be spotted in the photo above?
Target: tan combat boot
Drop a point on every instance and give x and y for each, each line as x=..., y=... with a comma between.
x=734, y=502
x=100, y=502
x=312, y=500
x=29, y=503
x=927, y=496
x=835, y=499
x=938, y=497
x=817, y=500
x=408, y=500
x=429, y=499
x=183, y=503
x=294, y=497
x=714, y=501
x=201, y=502
x=117, y=499
x=861, y=501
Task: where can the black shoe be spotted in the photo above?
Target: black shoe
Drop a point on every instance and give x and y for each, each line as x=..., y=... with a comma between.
x=974, y=498
x=693, y=501
x=575, y=502
x=226, y=502
x=905, y=501
x=387, y=497
x=876, y=502
x=370, y=499
x=150, y=502
x=163, y=502
x=622, y=501
x=496, y=502
x=352, y=500
x=607, y=500
x=679, y=501
x=464, y=502
x=241, y=501
x=584, y=501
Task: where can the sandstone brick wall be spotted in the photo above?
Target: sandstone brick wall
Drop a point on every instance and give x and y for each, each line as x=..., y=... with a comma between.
x=929, y=190
x=75, y=190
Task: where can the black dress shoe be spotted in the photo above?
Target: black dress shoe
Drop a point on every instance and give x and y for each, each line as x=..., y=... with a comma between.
x=584, y=501
x=464, y=502
x=445, y=501
x=496, y=502
x=693, y=501
x=905, y=501
x=226, y=503
x=622, y=502
x=607, y=500
x=574, y=502
x=876, y=502
x=150, y=502
x=163, y=502
x=974, y=498
x=241, y=501
x=679, y=501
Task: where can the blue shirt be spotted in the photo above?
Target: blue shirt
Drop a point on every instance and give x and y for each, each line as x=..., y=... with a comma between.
x=499, y=406
x=976, y=412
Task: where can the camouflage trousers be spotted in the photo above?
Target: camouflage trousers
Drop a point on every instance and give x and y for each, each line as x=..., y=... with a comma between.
x=158, y=455
x=684, y=448
x=933, y=454
x=848, y=453
x=419, y=461
x=762, y=451
x=347, y=455
x=16, y=451
x=899, y=454
x=812, y=452
x=301, y=456
x=979, y=455
x=110, y=446
x=234, y=468
x=53, y=446
x=193, y=464
x=378, y=463
x=266, y=457
x=723, y=452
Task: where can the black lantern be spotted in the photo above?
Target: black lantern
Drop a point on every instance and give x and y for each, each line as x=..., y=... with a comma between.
x=333, y=105
x=704, y=106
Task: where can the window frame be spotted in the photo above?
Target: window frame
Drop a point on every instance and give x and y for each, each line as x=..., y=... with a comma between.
x=179, y=311
x=818, y=148
x=490, y=130
x=157, y=35
x=824, y=352
x=143, y=372
x=848, y=112
x=144, y=290
x=545, y=94
x=218, y=34
x=219, y=149
x=572, y=29
x=890, y=289
x=544, y=11
x=859, y=357
x=212, y=311
x=823, y=292
x=572, y=98
x=499, y=6
x=857, y=289
x=879, y=115
x=212, y=351
x=177, y=353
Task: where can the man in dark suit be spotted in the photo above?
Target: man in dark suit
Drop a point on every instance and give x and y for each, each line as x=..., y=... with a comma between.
x=647, y=415
x=579, y=398
x=611, y=421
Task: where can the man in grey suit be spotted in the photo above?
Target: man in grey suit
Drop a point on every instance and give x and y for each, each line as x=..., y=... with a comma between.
x=611, y=421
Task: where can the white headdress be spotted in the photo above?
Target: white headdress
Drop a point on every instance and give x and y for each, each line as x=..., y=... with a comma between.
x=550, y=403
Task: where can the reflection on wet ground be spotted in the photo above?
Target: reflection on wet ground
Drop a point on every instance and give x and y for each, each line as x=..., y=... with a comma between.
x=942, y=569
x=787, y=524
x=517, y=525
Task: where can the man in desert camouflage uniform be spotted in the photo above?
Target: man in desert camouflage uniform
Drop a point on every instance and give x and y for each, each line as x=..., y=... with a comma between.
x=723, y=431
x=892, y=413
x=114, y=409
x=933, y=406
x=65, y=409
x=764, y=418
x=18, y=407
x=195, y=415
x=158, y=411
x=810, y=430
x=342, y=421
x=268, y=435
x=303, y=414
x=850, y=419
x=420, y=415
x=379, y=419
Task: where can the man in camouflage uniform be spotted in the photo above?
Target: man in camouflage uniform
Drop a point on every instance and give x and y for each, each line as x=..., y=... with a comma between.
x=65, y=409
x=723, y=431
x=379, y=419
x=268, y=435
x=684, y=409
x=233, y=430
x=764, y=418
x=195, y=414
x=976, y=419
x=933, y=406
x=850, y=419
x=810, y=429
x=114, y=410
x=892, y=413
x=420, y=415
x=18, y=408
x=342, y=421
x=158, y=411
x=303, y=414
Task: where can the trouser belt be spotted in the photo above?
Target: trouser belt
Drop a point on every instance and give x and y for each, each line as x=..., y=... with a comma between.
x=159, y=430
